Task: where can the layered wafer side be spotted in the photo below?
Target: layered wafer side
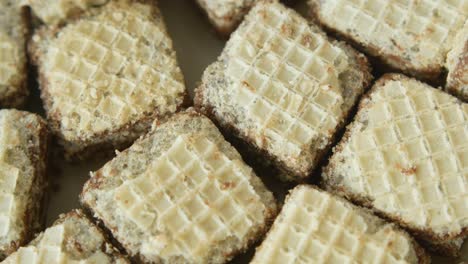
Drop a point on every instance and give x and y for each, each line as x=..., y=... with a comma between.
x=181, y=194
x=13, y=62
x=106, y=76
x=406, y=156
x=73, y=238
x=412, y=36
x=283, y=87
x=23, y=158
x=317, y=227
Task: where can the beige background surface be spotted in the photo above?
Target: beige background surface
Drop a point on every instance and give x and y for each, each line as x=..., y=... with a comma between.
x=196, y=46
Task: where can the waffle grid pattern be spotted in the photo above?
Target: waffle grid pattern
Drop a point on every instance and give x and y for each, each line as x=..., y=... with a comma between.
x=413, y=156
x=108, y=70
x=8, y=176
x=286, y=76
x=49, y=249
x=314, y=227
x=193, y=193
x=9, y=60
x=426, y=22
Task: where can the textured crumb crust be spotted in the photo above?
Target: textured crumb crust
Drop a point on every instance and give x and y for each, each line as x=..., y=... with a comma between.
x=225, y=15
x=106, y=76
x=443, y=237
x=457, y=65
x=23, y=179
x=451, y=248
x=412, y=36
x=311, y=216
x=219, y=95
x=53, y=12
x=72, y=238
x=202, y=204
x=14, y=31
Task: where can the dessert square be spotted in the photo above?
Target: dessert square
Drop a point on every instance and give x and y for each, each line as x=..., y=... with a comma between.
x=411, y=36
x=283, y=87
x=23, y=160
x=181, y=194
x=73, y=238
x=317, y=227
x=405, y=156
x=106, y=76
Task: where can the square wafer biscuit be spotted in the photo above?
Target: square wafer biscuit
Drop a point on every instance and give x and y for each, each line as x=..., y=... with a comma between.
x=225, y=15
x=105, y=77
x=406, y=156
x=53, y=12
x=181, y=194
x=283, y=87
x=317, y=227
x=413, y=36
x=457, y=65
x=13, y=62
x=23, y=158
x=72, y=239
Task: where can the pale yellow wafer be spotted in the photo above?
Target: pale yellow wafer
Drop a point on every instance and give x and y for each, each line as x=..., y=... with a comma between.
x=283, y=86
x=181, y=193
x=107, y=76
x=409, y=35
x=318, y=227
x=406, y=155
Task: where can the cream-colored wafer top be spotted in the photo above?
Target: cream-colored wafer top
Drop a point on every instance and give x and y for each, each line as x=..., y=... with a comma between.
x=181, y=192
x=109, y=70
x=188, y=199
x=408, y=154
x=317, y=227
x=283, y=84
x=410, y=33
